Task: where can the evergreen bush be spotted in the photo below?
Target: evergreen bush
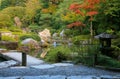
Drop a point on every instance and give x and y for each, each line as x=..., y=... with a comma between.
x=58, y=54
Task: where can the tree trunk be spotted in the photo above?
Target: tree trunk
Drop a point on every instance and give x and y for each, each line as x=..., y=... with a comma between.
x=91, y=29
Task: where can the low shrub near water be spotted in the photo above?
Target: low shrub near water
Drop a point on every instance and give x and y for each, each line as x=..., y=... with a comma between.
x=8, y=38
x=34, y=36
x=108, y=61
x=85, y=54
x=76, y=40
x=58, y=54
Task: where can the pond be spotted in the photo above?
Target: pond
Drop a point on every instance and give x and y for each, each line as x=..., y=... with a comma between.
x=2, y=59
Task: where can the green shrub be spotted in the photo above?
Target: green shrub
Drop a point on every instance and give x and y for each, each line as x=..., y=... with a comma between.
x=34, y=28
x=34, y=36
x=116, y=52
x=77, y=39
x=4, y=30
x=116, y=42
x=85, y=54
x=18, y=33
x=69, y=32
x=8, y=38
x=58, y=54
x=15, y=29
x=108, y=62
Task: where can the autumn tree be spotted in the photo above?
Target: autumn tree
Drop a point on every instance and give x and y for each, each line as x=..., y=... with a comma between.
x=63, y=16
x=11, y=3
x=31, y=8
x=87, y=8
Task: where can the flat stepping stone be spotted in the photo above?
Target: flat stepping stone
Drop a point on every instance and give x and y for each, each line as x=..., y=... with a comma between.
x=9, y=63
x=58, y=77
x=44, y=66
x=44, y=77
x=35, y=77
x=18, y=67
x=10, y=77
x=62, y=64
x=18, y=56
x=109, y=77
x=83, y=77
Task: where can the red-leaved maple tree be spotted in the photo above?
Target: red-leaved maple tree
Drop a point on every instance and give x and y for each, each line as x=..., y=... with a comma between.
x=89, y=6
x=75, y=24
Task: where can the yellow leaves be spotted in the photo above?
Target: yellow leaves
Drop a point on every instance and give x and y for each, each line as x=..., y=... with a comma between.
x=33, y=4
x=70, y=16
x=50, y=9
x=5, y=20
x=45, y=10
x=31, y=7
x=14, y=11
x=4, y=17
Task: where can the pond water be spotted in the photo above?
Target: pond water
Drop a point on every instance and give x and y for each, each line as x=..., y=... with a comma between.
x=2, y=59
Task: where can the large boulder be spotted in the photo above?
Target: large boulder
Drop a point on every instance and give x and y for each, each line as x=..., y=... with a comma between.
x=17, y=21
x=45, y=37
x=33, y=44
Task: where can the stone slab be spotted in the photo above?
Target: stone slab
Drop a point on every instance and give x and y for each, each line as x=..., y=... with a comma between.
x=18, y=56
x=8, y=63
x=10, y=77
x=43, y=66
x=59, y=77
x=62, y=64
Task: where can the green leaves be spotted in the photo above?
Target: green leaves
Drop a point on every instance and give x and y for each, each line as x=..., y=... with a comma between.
x=5, y=21
x=14, y=11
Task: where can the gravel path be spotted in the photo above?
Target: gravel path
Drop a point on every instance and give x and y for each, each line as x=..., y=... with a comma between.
x=67, y=71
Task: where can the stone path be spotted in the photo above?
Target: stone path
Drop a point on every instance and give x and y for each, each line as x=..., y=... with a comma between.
x=37, y=69
x=61, y=77
x=8, y=63
x=18, y=56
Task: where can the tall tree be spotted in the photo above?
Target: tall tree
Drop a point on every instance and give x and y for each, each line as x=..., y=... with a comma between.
x=14, y=11
x=87, y=8
x=11, y=3
x=109, y=16
x=31, y=8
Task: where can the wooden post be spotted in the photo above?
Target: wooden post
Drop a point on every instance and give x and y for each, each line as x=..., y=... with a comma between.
x=24, y=59
x=24, y=50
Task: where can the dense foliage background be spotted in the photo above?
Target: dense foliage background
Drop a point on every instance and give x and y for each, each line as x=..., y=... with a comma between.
x=58, y=14
x=80, y=19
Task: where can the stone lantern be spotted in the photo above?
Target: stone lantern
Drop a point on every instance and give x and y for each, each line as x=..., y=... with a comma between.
x=105, y=43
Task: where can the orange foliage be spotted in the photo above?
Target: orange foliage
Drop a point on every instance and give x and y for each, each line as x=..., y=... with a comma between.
x=88, y=5
x=74, y=6
x=91, y=13
x=75, y=24
x=93, y=2
x=79, y=12
x=45, y=10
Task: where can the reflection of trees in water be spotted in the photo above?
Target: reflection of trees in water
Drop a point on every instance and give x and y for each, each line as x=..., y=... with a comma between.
x=35, y=52
x=39, y=53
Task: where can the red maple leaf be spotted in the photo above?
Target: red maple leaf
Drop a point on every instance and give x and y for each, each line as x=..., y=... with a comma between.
x=74, y=6
x=91, y=13
x=79, y=12
x=75, y=24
